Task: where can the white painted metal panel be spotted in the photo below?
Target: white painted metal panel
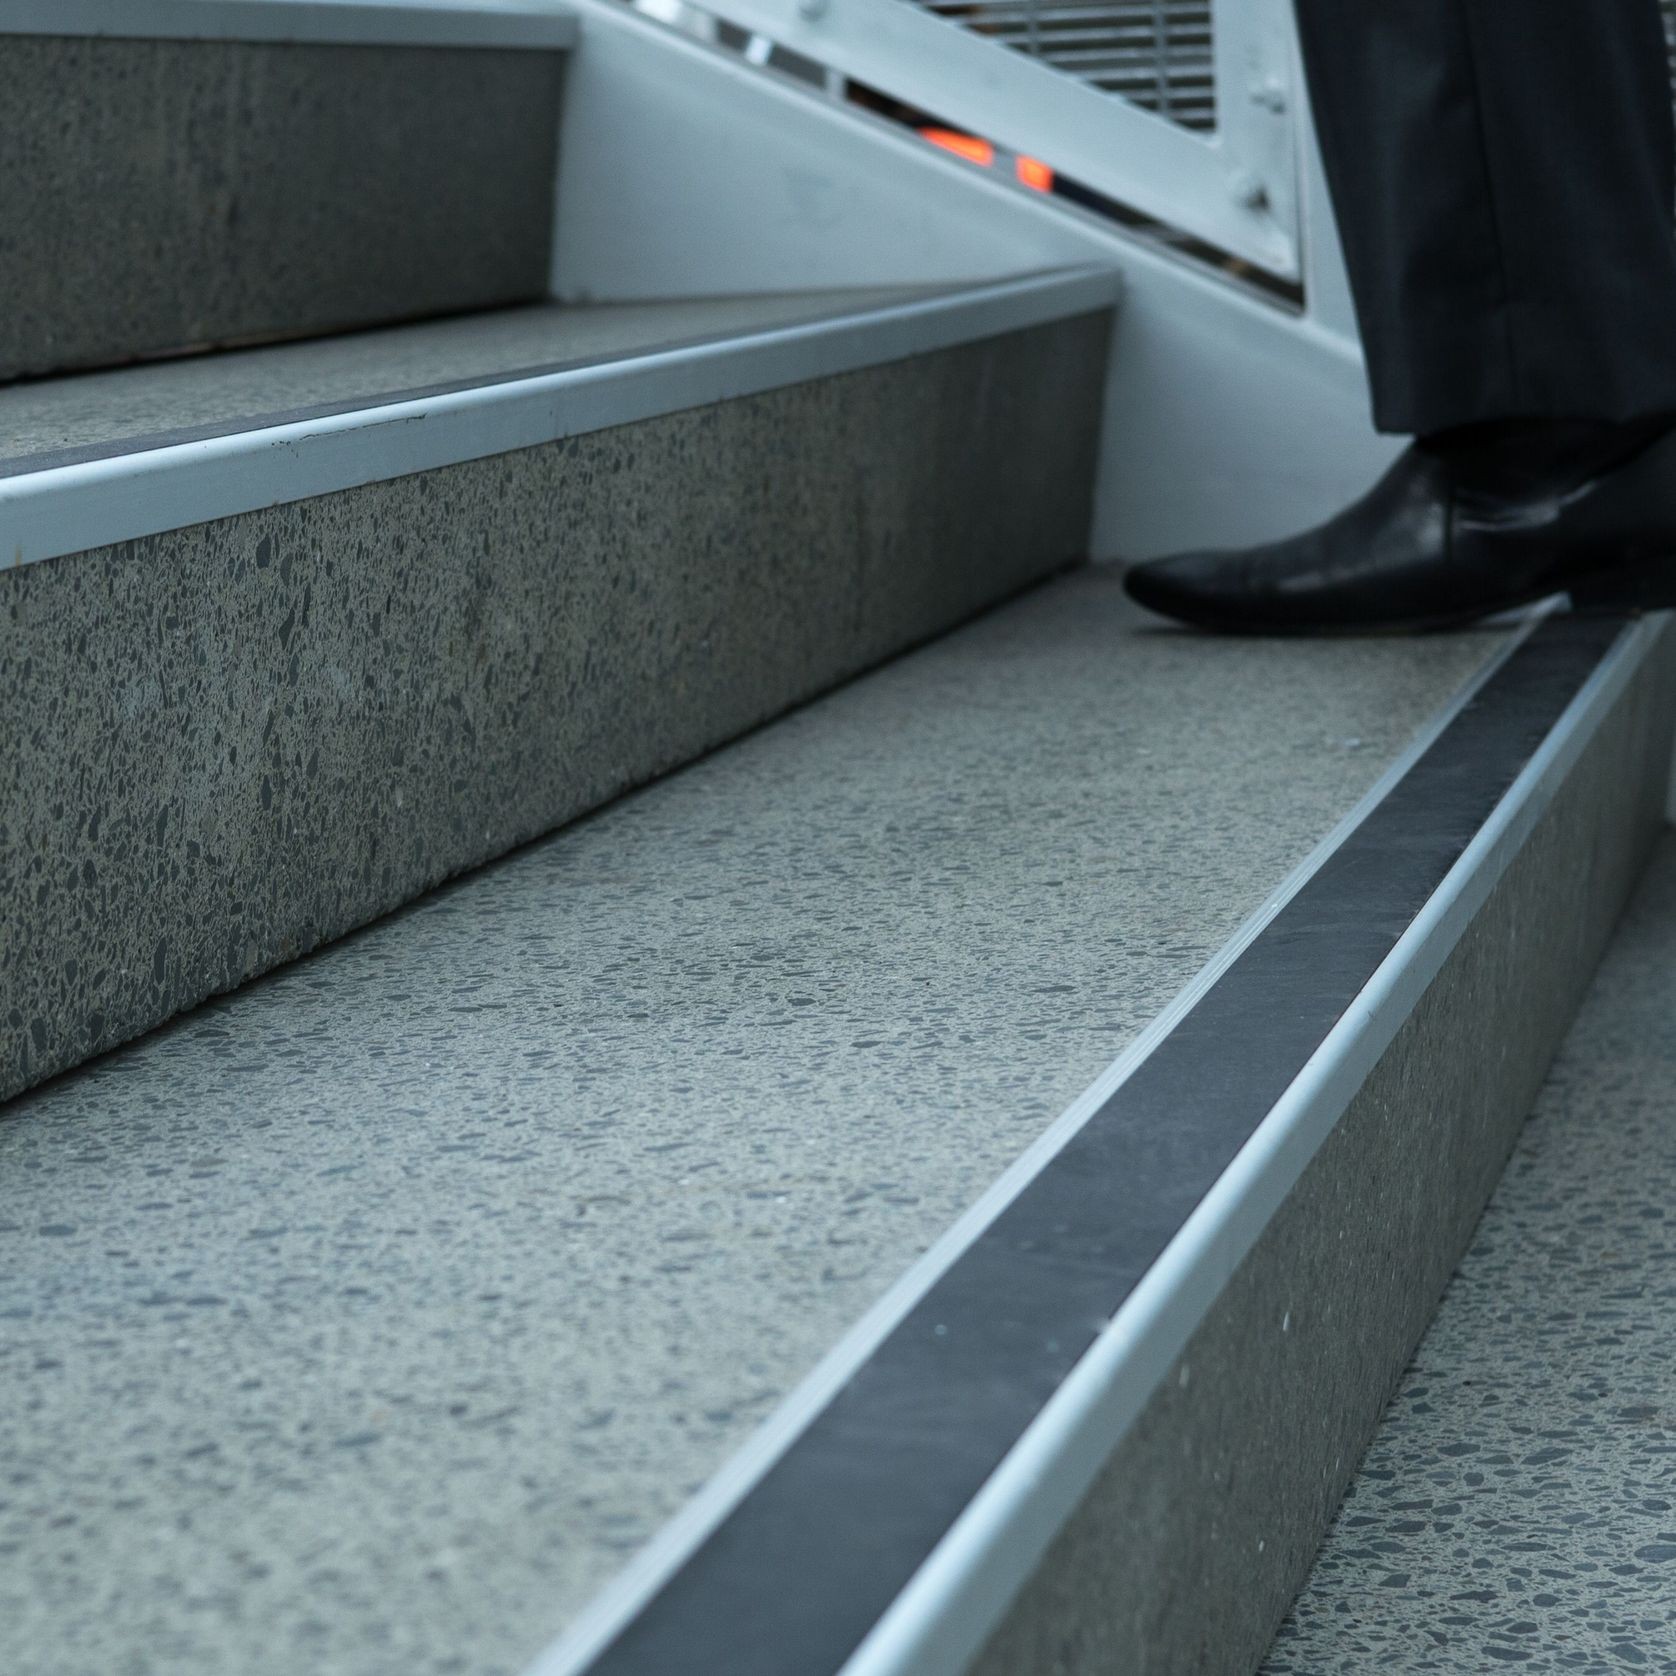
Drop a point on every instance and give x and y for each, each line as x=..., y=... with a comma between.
x=1234, y=188
x=1230, y=417
x=129, y=494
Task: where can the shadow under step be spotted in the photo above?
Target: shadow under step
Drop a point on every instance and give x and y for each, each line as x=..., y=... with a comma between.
x=764, y=1132
x=295, y=633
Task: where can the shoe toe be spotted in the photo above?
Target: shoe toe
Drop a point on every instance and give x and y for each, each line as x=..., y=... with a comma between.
x=1188, y=587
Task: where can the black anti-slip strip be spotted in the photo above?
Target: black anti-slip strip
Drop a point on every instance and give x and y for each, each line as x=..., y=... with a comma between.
x=809, y=1561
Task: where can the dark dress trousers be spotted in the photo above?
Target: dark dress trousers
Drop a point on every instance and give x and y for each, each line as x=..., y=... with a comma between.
x=1503, y=174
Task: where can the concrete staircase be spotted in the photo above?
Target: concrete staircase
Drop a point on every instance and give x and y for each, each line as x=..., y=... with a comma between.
x=296, y=632
x=646, y=1030
x=314, y=626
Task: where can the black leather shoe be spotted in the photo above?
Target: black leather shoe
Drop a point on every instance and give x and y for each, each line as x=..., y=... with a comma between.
x=1454, y=531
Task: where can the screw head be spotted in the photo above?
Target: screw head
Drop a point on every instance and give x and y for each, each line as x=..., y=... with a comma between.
x=812, y=10
x=1247, y=190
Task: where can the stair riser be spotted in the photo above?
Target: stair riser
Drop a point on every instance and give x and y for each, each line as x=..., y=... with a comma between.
x=1186, y=1553
x=253, y=735
x=169, y=194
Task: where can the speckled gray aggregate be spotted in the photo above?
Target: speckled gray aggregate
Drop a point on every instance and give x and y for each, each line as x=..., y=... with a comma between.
x=223, y=746
x=1187, y=1551
x=367, y=1320
x=93, y=410
x=161, y=194
x=1518, y=1506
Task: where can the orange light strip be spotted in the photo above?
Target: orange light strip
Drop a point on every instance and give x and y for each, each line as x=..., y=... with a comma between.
x=968, y=146
x=1037, y=176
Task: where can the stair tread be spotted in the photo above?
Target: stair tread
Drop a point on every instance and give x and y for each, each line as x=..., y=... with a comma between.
x=1514, y=1506
x=430, y=1275
x=49, y=422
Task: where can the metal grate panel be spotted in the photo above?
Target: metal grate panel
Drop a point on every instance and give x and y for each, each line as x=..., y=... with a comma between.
x=1154, y=53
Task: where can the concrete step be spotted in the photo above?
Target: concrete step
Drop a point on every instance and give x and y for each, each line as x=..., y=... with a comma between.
x=292, y=634
x=1102, y=1425
x=944, y=1183
x=188, y=173
x=1516, y=1506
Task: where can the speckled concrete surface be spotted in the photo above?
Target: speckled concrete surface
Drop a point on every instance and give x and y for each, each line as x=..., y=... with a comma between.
x=240, y=388
x=223, y=746
x=1184, y=1556
x=160, y=194
x=367, y=1320
x=1518, y=1506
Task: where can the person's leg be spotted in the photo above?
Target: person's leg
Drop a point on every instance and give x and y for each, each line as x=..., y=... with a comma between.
x=1504, y=176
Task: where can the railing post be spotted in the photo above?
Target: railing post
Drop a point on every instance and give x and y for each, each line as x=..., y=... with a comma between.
x=1257, y=102
x=1326, y=281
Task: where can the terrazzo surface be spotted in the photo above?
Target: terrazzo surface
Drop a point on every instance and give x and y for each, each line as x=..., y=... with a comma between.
x=164, y=193
x=224, y=746
x=98, y=411
x=367, y=1320
x=1518, y=1506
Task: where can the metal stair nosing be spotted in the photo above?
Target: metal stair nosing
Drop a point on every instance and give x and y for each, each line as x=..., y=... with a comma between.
x=1106, y=1421
x=266, y=684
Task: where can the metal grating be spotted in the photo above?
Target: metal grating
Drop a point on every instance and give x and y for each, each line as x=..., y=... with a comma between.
x=1154, y=53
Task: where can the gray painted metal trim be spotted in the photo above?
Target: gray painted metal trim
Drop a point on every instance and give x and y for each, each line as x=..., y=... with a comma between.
x=72, y=508
x=344, y=22
x=943, y=1617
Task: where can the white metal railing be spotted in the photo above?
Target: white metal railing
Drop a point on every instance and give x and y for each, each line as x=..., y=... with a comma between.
x=1182, y=110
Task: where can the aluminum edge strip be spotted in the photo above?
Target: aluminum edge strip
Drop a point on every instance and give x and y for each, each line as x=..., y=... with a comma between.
x=96, y=503
x=324, y=22
x=620, y=1601
x=941, y=1619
